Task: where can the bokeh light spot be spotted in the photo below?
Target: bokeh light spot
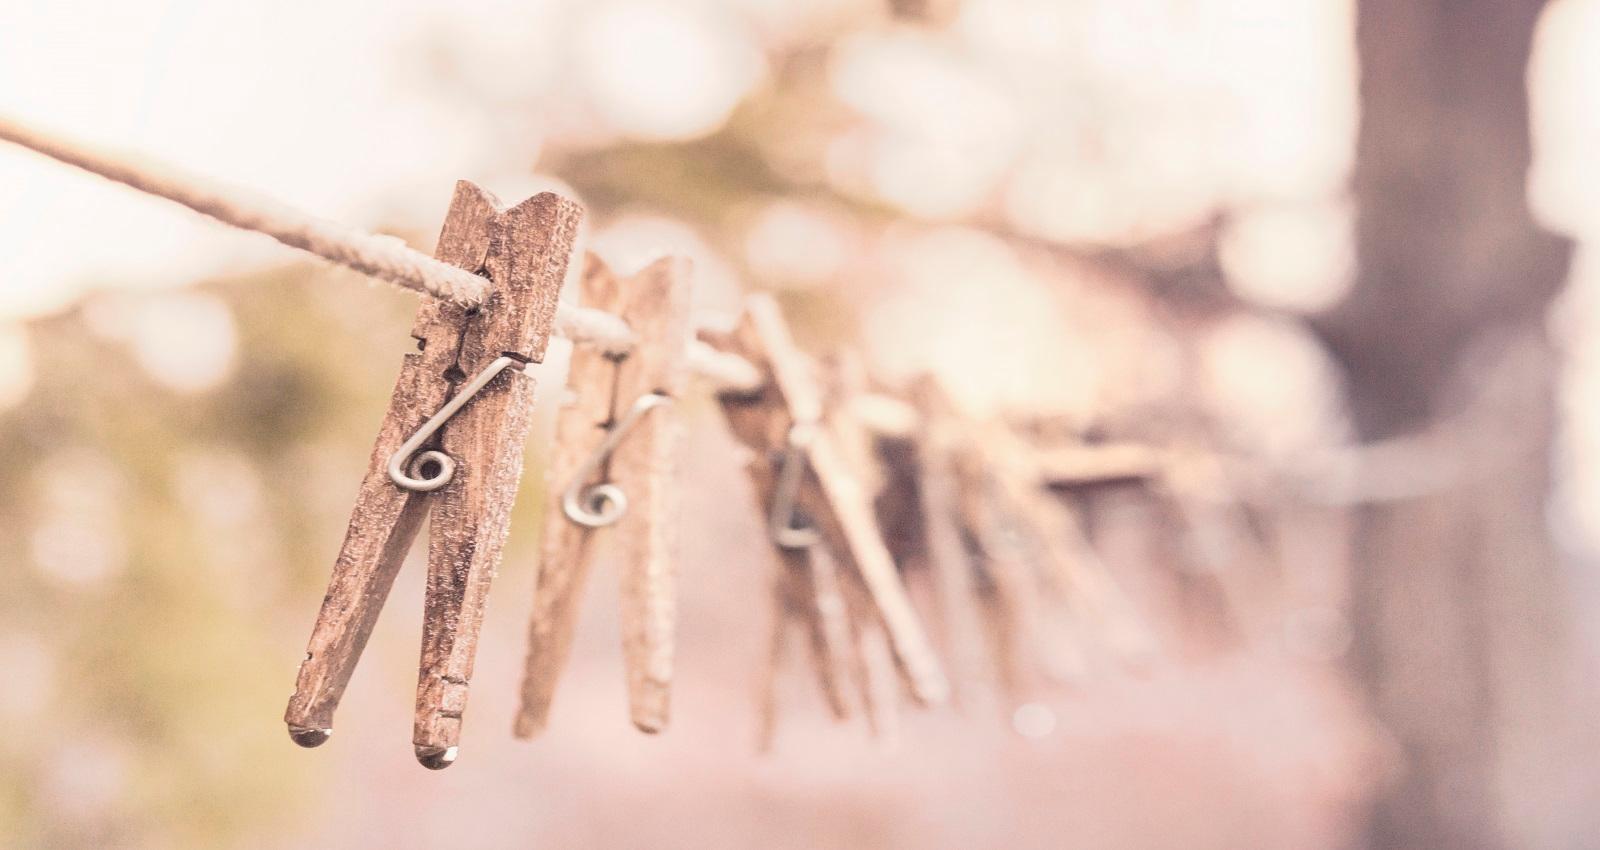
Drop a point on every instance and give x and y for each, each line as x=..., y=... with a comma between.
x=665, y=71
x=186, y=341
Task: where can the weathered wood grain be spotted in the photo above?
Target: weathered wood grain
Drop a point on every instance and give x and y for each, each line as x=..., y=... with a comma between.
x=655, y=303
x=529, y=247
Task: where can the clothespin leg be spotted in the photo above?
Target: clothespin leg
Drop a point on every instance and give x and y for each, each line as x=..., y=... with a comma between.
x=465, y=541
x=806, y=597
x=362, y=578
x=783, y=621
x=846, y=520
x=564, y=561
x=656, y=303
x=565, y=551
x=527, y=260
x=872, y=663
x=994, y=587
x=649, y=573
x=953, y=568
x=816, y=582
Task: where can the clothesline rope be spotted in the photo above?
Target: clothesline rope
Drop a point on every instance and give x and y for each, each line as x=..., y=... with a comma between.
x=384, y=257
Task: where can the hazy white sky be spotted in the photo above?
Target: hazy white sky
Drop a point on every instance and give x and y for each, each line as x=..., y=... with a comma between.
x=330, y=106
x=254, y=95
x=258, y=95
x=324, y=104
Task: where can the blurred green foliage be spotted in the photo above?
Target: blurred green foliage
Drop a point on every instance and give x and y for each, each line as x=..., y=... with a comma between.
x=165, y=673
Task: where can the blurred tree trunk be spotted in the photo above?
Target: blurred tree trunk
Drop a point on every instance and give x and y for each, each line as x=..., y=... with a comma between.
x=1457, y=600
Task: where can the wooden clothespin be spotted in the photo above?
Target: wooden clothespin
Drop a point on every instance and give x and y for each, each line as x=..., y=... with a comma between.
x=800, y=473
x=1042, y=593
x=450, y=442
x=1066, y=568
x=982, y=581
x=617, y=448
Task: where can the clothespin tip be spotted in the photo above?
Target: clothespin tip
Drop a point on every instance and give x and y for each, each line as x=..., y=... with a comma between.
x=309, y=737
x=436, y=758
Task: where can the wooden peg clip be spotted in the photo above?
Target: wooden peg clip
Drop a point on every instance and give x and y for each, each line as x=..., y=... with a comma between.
x=617, y=453
x=980, y=577
x=1069, y=569
x=783, y=421
x=1042, y=594
x=1047, y=578
x=451, y=442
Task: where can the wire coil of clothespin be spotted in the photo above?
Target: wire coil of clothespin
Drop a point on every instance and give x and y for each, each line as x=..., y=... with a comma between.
x=781, y=521
x=407, y=466
x=599, y=505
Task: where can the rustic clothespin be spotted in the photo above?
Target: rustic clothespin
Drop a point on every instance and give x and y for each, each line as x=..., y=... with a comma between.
x=810, y=493
x=617, y=449
x=451, y=442
x=982, y=577
x=1068, y=570
x=1043, y=595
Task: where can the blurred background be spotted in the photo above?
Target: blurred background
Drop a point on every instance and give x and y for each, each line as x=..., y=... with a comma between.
x=1341, y=248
